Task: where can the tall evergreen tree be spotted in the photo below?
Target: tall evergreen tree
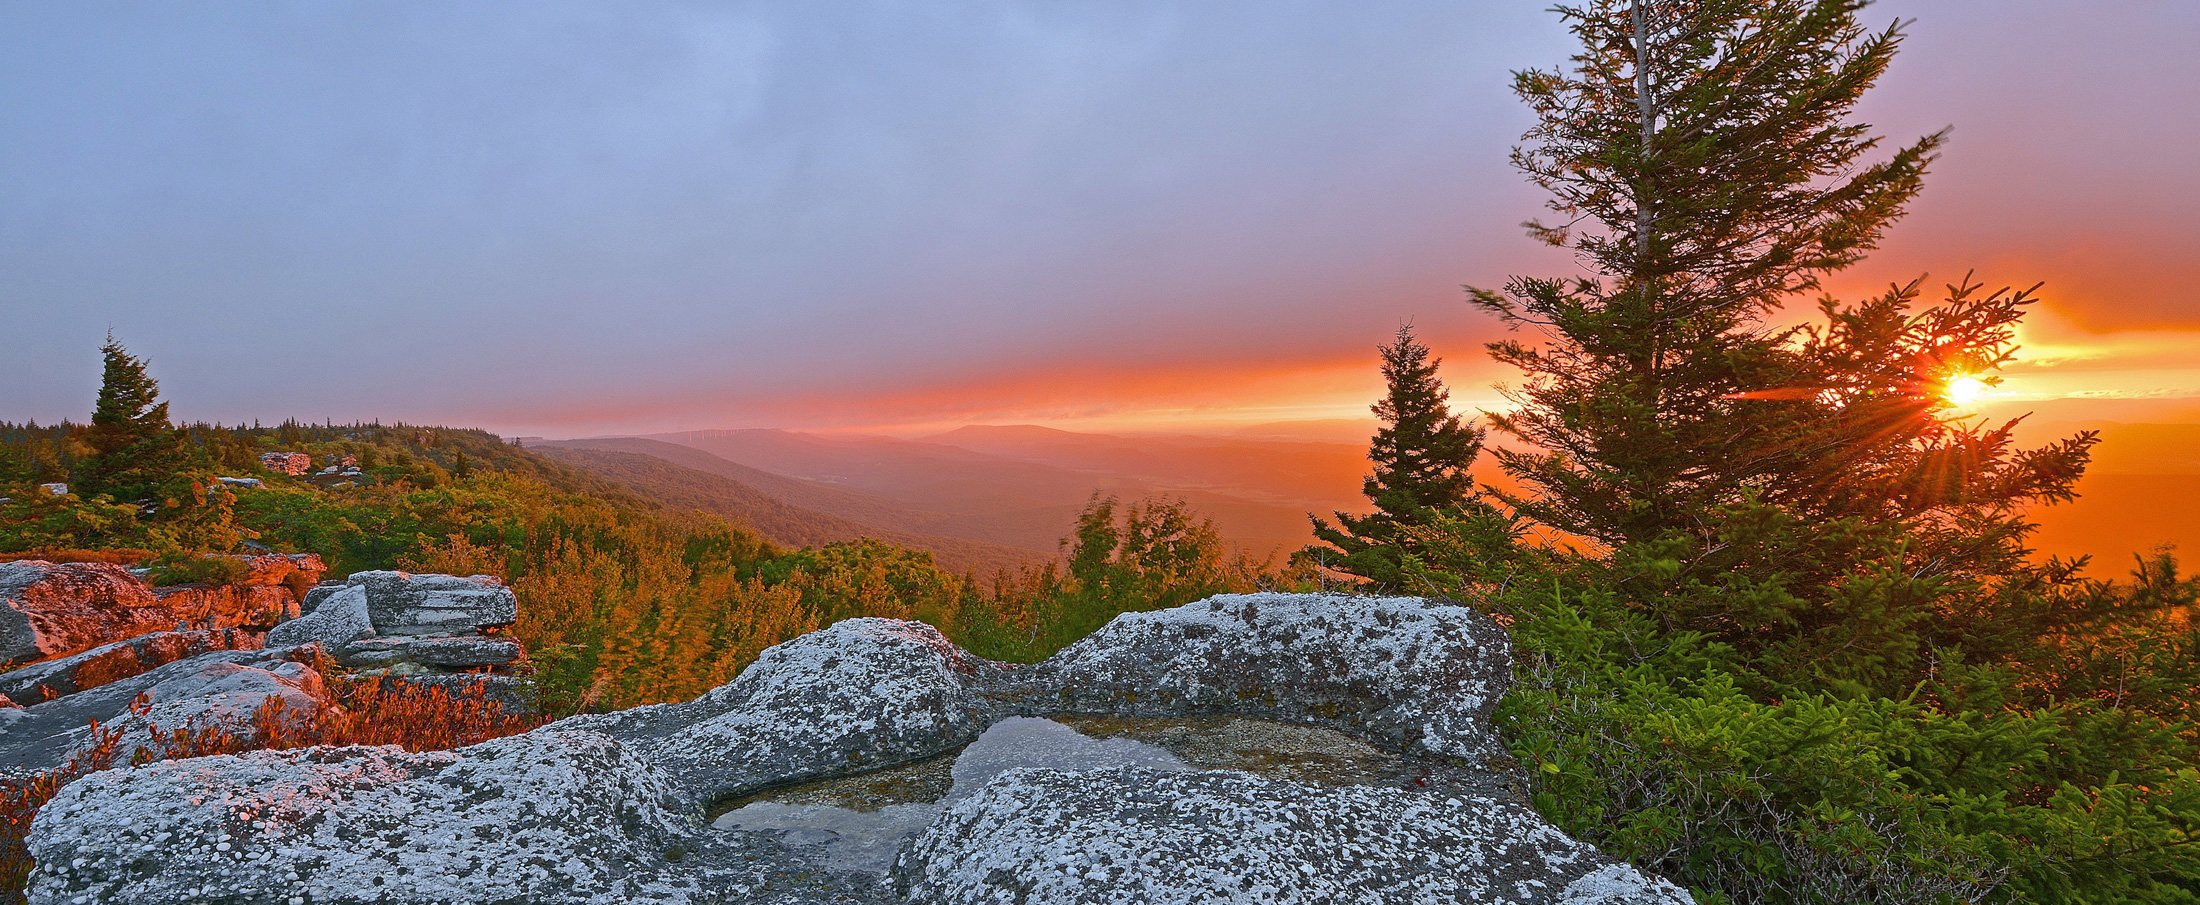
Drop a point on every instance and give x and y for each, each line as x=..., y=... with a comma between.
x=1421, y=454
x=1704, y=161
x=134, y=448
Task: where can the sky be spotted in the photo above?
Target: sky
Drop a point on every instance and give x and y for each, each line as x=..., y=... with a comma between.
x=567, y=219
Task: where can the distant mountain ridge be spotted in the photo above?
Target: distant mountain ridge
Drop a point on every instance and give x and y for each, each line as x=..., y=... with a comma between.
x=662, y=472
x=1023, y=485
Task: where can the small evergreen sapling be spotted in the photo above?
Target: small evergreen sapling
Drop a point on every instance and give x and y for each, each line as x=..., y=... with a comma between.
x=134, y=449
x=1421, y=455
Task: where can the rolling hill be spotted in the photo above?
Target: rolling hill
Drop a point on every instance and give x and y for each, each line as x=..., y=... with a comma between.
x=682, y=488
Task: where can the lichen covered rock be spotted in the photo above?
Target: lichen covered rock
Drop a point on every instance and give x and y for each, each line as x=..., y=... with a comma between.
x=861, y=693
x=48, y=679
x=338, y=620
x=51, y=609
x=607, y=807
x=214, y=684
x=1141, y=837
x=1419, y=675
x=549, y=817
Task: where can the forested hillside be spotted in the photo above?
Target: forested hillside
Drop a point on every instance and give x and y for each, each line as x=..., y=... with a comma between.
x=624, y=599
x=684, y=489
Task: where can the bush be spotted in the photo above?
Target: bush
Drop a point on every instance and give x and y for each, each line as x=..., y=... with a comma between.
x=121, y=557
x=194, y=568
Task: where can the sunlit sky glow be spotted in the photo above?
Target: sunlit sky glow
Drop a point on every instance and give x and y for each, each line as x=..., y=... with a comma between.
x=564, y=219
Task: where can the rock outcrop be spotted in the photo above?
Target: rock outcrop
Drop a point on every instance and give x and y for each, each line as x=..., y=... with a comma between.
x=861, y=693
x=546, y=817
x=220, y=685
x=1416, y=675
x=425, y=629
x=55, y=609
x=607, y=807
x=48, y=679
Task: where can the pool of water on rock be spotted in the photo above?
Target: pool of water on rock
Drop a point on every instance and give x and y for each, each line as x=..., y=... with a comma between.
x=860, y=821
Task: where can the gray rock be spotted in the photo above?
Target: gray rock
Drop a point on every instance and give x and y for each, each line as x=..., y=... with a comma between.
x=862, y=693
x=338, y=620
x=1020, y=742
x=1418, y=675
x=603, y=808
x=463, y=652
x=316, y=594
x=121, y=659
x=1153, y=838
x=400, y=603
x=550, y=817
x=41, y=736
x=219, y=696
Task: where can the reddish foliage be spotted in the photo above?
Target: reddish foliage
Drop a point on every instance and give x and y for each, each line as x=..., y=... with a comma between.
x=122, y=557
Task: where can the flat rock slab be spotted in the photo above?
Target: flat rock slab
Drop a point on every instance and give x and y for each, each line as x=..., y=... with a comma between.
x=400, y=603
x=457, y=652
x=1419, y=675
x=1141, y=837
x=41, y=736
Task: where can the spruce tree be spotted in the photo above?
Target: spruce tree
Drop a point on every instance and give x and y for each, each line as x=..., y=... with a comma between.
x=1803, y=491
x=134, y=448
x=1421, y=455
x=1709, y=174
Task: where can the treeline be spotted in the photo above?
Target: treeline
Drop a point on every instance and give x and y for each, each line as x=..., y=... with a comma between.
x=622, y=602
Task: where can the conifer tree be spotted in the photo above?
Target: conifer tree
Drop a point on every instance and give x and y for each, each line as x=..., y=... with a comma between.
x=1421, y=455
x=1708, y=172
x=134, y=449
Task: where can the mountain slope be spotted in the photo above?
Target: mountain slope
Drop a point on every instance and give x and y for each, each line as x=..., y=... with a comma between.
x=1006, y=498
x=681, y=488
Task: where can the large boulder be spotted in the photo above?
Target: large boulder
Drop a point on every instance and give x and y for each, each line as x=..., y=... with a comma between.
x=54, y=678
x=1159, y=838
x=51, y=609
x=862, y=693
x=1417, y=675
x=337, y=620
x=549, y=817
x=55, y=609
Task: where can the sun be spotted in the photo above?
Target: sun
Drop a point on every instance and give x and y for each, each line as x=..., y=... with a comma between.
x=1964, y=391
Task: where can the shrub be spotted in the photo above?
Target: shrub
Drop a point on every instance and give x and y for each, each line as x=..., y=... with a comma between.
x=193, y=568
x=118, y=557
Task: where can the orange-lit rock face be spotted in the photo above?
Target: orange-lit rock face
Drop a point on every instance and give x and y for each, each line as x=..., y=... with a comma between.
x=55, y=609
x=282, y=569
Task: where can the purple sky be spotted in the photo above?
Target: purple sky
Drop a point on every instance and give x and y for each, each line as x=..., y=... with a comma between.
x=566, y=219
